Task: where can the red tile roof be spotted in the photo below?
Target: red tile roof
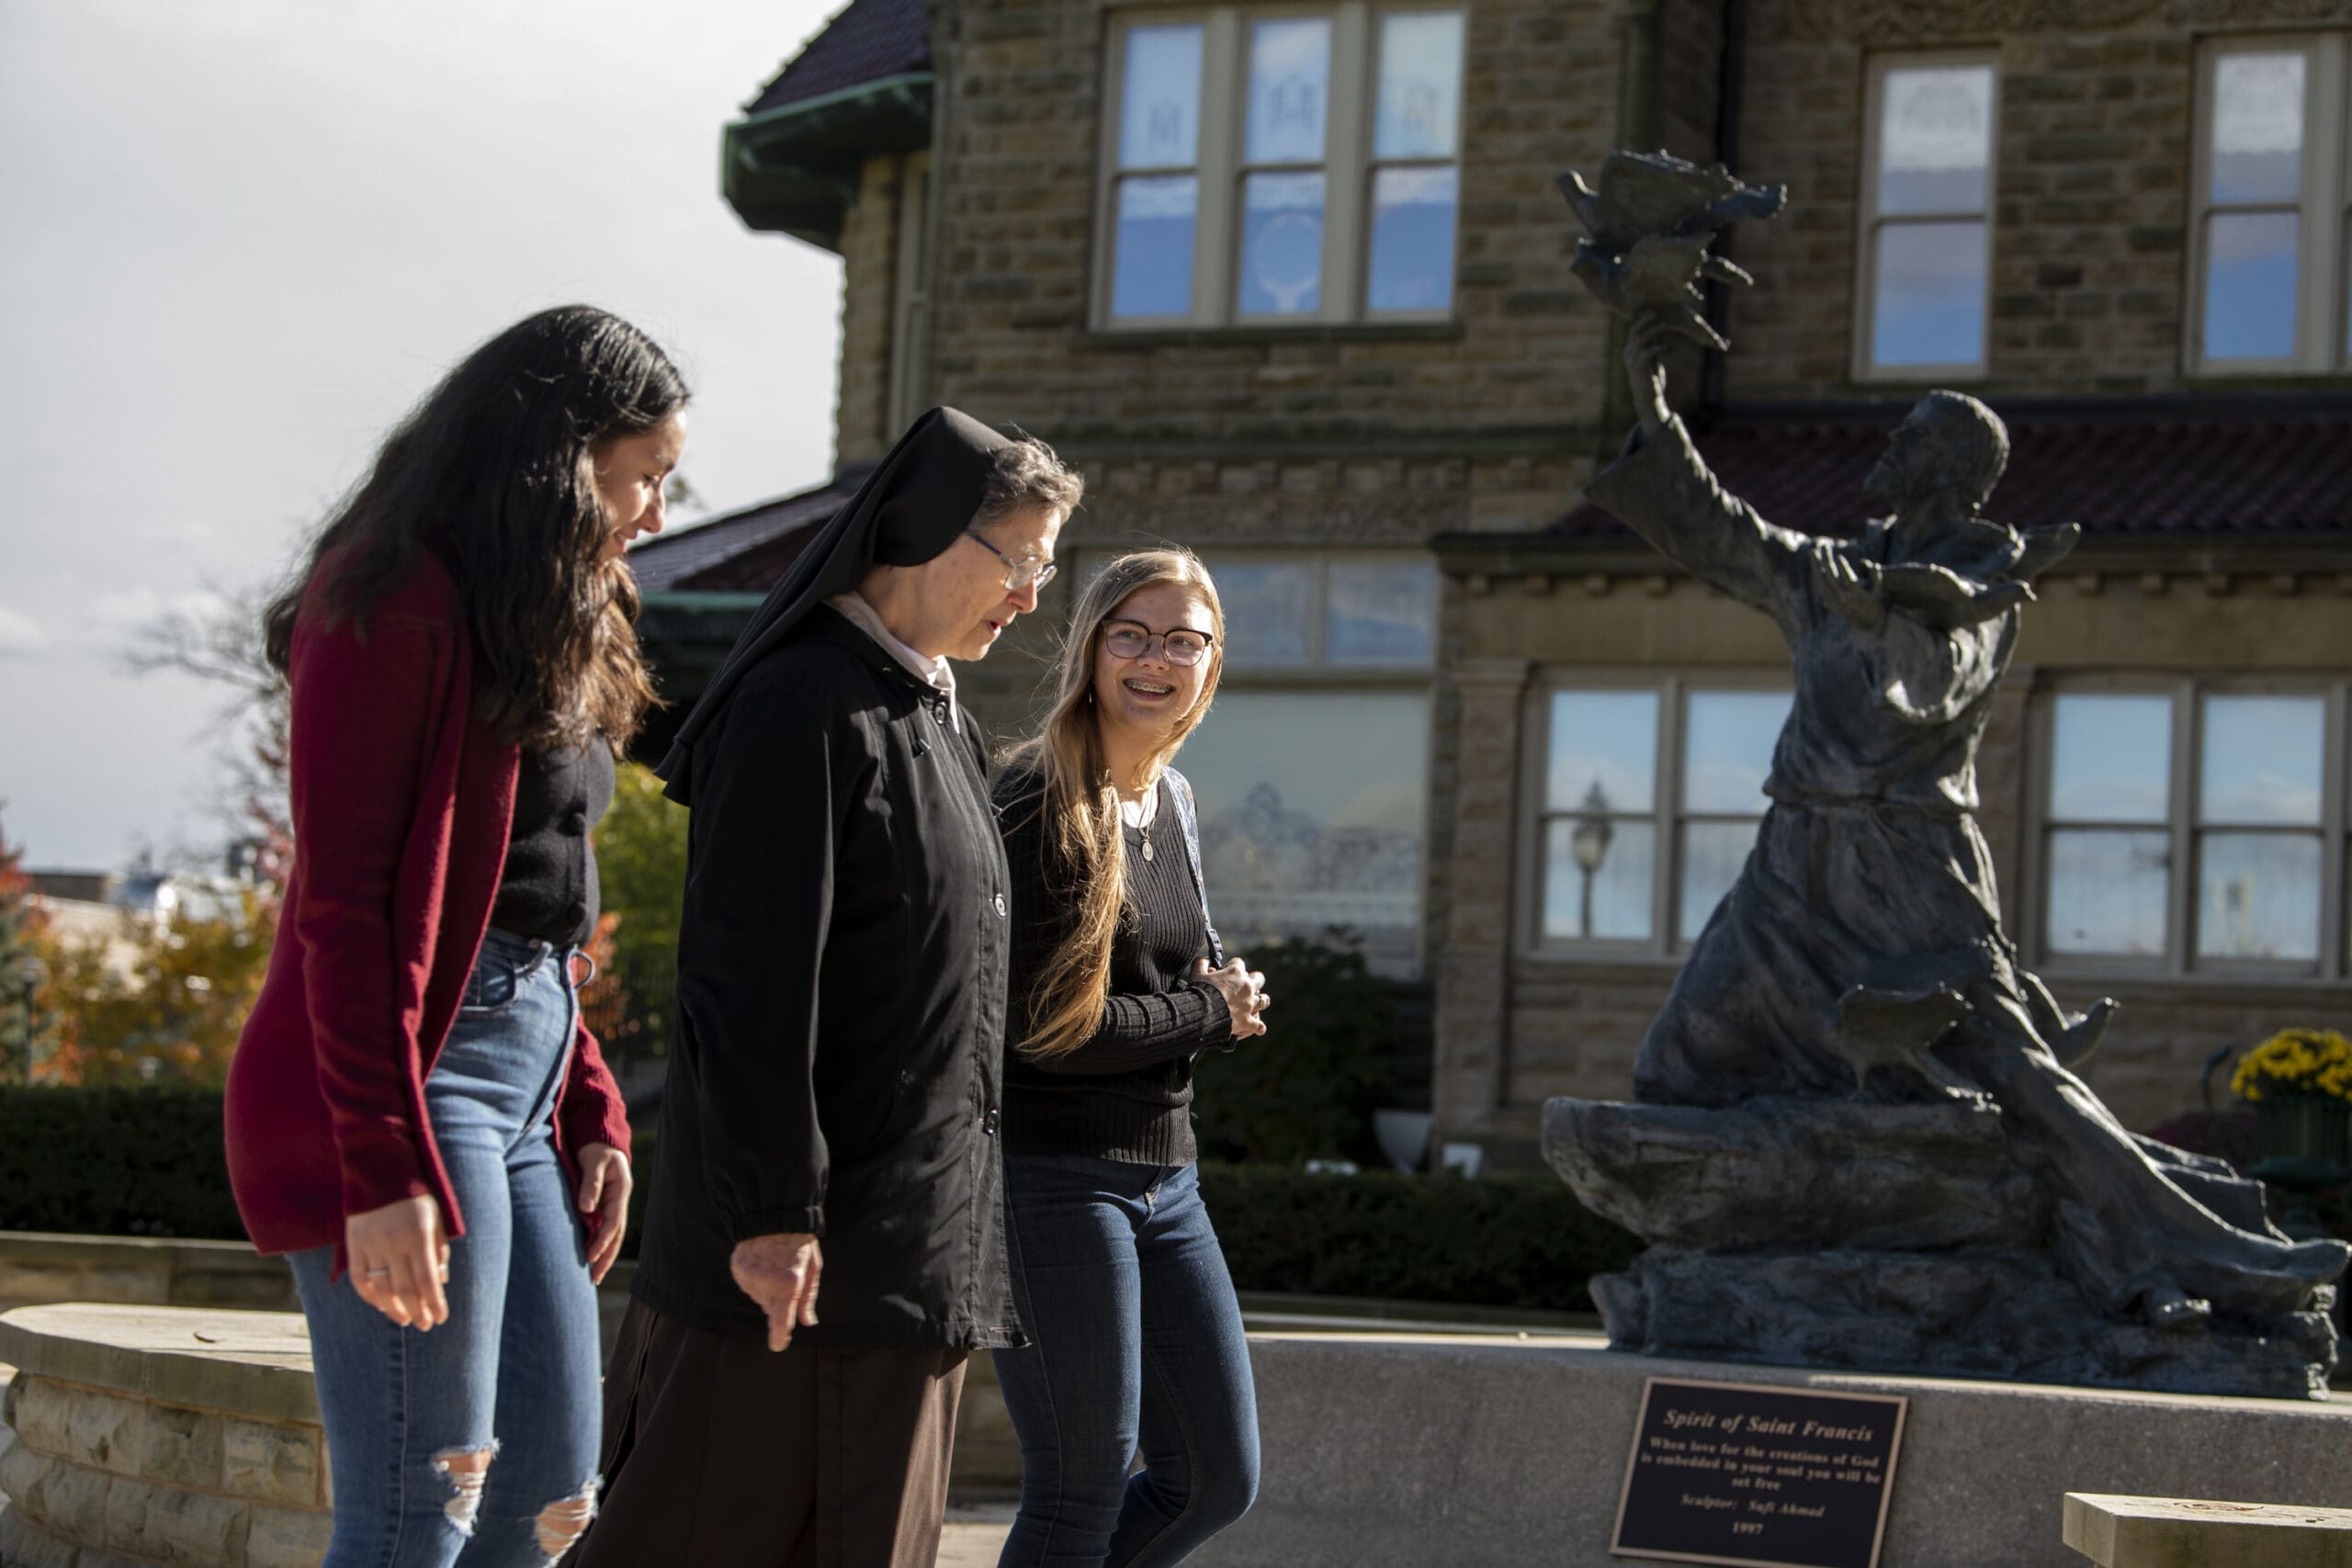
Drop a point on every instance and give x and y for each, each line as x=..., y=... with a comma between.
x=868, y=41
x=2199, y=475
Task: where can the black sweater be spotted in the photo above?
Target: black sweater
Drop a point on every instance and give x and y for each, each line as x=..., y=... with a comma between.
x=1126, y=1093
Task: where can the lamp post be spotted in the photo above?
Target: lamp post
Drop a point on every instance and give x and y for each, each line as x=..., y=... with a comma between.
x=1588, y=841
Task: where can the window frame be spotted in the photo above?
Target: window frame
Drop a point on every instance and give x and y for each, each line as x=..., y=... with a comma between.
x=1317, y=666
x=1869, y=220
x=2186, y=829
x=1221, y=168
x=2323, y=208
x=1668, y=812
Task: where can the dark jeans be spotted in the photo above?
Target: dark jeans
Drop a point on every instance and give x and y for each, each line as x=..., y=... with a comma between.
x=516, y=1367
x=1135, y=1347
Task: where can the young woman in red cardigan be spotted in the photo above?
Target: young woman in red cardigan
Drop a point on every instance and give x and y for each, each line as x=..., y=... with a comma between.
x=416, y=1114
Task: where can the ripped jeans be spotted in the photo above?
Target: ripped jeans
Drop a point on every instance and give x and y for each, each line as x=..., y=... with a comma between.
x=515, y=1372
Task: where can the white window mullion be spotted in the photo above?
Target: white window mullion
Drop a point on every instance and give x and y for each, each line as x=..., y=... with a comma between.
x=2320, y=294
x=2181, y=889
x=2335, y=776
x=1666, y=854
x=1346, y=138
x=1223, y=76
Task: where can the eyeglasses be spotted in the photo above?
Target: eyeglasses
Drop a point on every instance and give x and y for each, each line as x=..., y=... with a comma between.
x=1182, y=646
x=1018, y=574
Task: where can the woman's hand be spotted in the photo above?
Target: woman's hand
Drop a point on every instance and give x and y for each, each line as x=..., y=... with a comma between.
x=605, y=1184
x=780, y=1272
x=1244, y=990
x=400, y=1259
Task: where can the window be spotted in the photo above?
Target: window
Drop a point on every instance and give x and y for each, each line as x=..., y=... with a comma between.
x=1283, y=167
x=2231, y=786
x=1312, y=769
x=1644, y=823
x=1927, y=202
x=2273, y=208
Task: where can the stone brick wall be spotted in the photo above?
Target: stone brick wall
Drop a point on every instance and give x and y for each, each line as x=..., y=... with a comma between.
x=2091, y=193
x=870, y=241
x=146, y=1454
x=1017, y=192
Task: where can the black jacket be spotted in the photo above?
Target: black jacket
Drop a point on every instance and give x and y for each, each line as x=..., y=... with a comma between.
x=842, y=988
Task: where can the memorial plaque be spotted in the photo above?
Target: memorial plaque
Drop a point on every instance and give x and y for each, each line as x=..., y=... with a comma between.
x=1762, y=1475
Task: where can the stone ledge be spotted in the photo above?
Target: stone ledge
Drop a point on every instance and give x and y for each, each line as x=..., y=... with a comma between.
x=2172, y=1532
x=239, y=1363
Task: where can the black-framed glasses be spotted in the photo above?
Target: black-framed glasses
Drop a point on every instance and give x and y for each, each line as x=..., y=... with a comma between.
x=1018, y=574
x=1180, y=644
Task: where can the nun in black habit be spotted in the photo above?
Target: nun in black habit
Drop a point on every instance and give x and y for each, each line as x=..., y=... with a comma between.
x=831, y=1107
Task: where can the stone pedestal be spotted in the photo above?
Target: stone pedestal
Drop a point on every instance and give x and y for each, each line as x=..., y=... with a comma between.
x=1408, y=1450
x=1884, y=1237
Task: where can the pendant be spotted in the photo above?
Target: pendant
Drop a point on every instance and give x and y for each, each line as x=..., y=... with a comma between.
x=1146, y=846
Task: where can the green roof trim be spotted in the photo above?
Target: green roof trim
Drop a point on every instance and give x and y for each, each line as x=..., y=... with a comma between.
x=794, y=169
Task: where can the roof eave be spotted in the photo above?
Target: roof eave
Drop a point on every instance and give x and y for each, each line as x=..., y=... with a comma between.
x=794, y=169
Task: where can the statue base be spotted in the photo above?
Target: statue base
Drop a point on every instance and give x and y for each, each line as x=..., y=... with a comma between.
x=1879, y=1238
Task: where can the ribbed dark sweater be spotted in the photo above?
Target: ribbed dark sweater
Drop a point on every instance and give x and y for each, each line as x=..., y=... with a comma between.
x=1126, y=1093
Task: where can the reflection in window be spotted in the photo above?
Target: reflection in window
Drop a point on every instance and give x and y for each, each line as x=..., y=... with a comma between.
x=1604, y=752
x=1282, y=244
x=2261, y=760
x=1290, y=83
x=2254, y=184
x=2111, y=765
x=1415, y=188
x=2260, y=763
x=1381, y=611
x=1156, y=196
x=1600, y=856
x=2107, y=891
x=1155, y=242
x=1269, y=610
x=1928, y=236
x=1606, y=868
x=1312, y=807
x=2258, y=895
x=1726, y=753
x=1332, y=191
x=2239, y=809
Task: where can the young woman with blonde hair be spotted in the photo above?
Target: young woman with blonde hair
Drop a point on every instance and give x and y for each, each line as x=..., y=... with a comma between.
x=1118, y=984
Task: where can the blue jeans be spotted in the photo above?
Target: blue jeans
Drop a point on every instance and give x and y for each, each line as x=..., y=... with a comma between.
x=519, y=1359
x=1135, y=1347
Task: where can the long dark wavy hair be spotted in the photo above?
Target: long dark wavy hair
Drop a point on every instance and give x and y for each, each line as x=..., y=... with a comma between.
x=492, y=472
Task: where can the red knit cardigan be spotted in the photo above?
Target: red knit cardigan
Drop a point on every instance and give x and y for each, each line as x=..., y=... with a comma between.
x=402, y=801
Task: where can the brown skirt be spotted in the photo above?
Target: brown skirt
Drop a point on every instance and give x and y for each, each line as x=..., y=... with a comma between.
x=722, y=1453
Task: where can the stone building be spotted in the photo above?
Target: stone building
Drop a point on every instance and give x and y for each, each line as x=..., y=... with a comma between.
x=1291, y=284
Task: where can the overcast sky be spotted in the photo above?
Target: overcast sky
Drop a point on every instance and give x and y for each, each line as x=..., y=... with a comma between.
x=242, y=236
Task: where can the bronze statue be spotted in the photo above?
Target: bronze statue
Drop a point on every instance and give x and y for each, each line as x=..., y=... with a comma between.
x=1853, y=1012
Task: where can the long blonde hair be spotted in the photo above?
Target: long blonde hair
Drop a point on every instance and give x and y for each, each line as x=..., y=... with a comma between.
x=1080, y=801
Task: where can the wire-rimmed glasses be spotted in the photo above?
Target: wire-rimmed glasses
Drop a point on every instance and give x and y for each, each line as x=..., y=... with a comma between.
x=1179, y=645
x=1018, y=574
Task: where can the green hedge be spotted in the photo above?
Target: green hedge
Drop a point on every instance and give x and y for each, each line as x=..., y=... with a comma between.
x=115, y=1162
x=148, y=1162
x=1501, y=1240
